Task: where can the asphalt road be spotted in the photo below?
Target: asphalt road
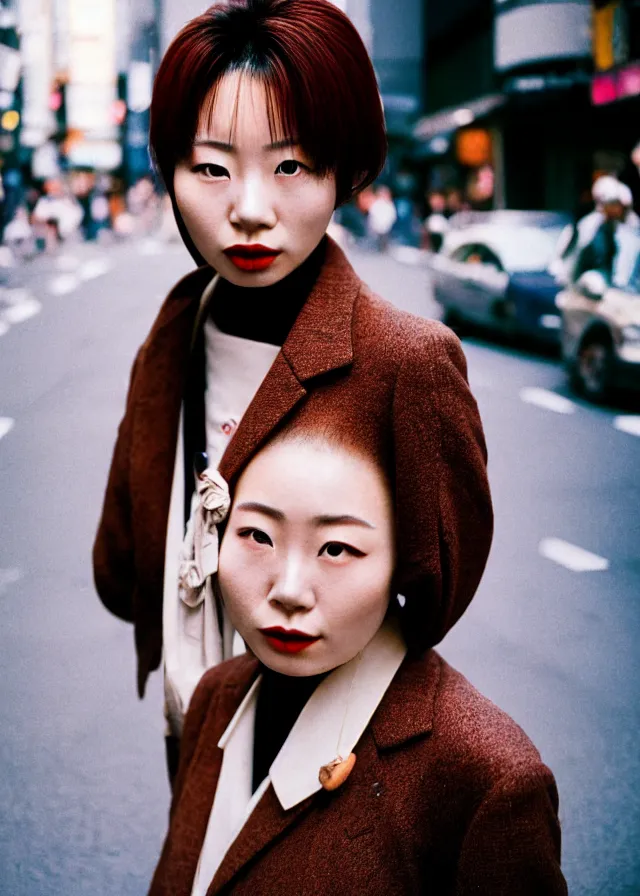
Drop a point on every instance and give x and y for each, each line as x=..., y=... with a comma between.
x=83, y=792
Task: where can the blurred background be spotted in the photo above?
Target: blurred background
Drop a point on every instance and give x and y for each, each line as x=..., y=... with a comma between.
x=509, y=209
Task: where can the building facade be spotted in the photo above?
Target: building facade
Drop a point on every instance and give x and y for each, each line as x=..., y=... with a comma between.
x=516, y=95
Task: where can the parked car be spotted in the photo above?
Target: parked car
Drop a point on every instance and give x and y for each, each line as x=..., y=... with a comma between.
x=601, y=332
x=492, y=272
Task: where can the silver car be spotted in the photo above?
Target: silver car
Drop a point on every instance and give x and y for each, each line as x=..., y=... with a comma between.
x=601, y=331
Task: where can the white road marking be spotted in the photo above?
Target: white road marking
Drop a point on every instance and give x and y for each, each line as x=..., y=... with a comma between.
x=21, y=311
x=94, y=267
x=67, y=262
x=8, y=577
x=149, y=247
x=542, y=398
x=64, y=284
x=406, y=254
x=4, y=328
x=6, y=425
x=571, y=556
x=628, y=423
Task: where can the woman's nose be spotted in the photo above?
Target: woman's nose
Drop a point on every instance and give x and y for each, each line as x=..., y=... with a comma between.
x=252, y=208
x=292, y=591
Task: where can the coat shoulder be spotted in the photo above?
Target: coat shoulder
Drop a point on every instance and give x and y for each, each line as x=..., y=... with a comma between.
x=407, y=336
x=477, y=736
x=184, y=293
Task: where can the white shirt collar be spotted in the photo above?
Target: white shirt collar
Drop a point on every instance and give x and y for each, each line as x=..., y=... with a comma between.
x=333, y=719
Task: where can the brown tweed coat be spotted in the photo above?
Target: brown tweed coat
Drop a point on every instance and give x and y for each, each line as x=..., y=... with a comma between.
x=448, y=797
x=390, y=383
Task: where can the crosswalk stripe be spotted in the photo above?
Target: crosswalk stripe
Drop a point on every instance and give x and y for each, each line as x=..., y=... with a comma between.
x=571, y=556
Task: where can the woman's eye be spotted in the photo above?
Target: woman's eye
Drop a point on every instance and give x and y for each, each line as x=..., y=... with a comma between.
x=337, y=550
x=256, y=535
x=289, y=168
x=210, y=171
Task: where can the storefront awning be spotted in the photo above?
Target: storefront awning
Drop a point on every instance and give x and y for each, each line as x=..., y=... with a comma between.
x=447, y=120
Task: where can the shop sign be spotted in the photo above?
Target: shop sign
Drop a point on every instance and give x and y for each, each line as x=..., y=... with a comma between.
x=9, y=68
x=616, y=85
x=473, y=147
x=610, y=44
x=139, y=86
x=629, y=80
x=102, y=155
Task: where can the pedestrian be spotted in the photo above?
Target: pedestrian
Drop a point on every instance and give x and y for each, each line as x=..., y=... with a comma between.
x=265, y=117
x=613, y=246
x=333, y=759
x=382, y=217
x=576, y=236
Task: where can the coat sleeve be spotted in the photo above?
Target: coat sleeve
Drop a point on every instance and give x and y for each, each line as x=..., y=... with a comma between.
x=113, y=558
x=202, y=699
x=444, y=516
x=513, y=843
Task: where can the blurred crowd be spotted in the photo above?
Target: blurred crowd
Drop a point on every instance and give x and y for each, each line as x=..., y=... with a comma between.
x=82, y=205
x=382, y=216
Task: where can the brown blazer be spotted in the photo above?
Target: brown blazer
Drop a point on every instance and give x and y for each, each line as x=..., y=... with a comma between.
x=448, y=797
x=391, y=384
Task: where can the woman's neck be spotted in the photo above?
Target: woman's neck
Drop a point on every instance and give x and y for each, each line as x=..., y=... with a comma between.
x=266, y=314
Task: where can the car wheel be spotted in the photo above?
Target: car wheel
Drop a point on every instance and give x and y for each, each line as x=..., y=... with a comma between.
x=453, y=320
x=592, y=371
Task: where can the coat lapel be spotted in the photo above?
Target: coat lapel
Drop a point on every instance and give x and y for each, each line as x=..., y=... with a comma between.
x=405, y=713
x=319, y=342
x=267, y=822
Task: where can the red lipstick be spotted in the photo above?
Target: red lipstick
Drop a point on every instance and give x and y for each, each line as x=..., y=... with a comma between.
x=251, y=258
x=288, y=640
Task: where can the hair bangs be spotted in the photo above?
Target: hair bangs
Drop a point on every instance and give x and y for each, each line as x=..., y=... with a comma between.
x=319, y=82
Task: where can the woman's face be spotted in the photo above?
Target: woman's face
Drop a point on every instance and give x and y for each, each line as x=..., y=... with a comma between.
x=307, y=556
x=251, y=201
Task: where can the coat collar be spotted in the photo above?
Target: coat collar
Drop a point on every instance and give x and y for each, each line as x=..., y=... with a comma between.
x=405, y=713
x=320, y=341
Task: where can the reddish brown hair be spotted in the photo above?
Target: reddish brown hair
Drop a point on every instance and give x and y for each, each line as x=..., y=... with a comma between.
x=319, y=78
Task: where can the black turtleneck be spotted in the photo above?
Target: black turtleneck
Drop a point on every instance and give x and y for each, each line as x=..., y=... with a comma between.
x=263, y=314
x=266, y=313
x=281, y=699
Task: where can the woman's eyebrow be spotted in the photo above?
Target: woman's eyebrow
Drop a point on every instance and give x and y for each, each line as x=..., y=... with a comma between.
x=343, y=519
x=214, y=144
x=282, y=144
x=229, y=147
x=256, y=507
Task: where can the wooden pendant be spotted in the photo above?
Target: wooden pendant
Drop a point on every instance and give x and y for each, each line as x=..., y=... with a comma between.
x=334, y=774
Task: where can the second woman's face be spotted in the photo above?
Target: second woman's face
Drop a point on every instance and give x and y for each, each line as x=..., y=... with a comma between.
x=307, y=557
x=251, y=201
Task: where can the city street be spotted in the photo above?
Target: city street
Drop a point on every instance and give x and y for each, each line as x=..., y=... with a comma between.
x=552, y=636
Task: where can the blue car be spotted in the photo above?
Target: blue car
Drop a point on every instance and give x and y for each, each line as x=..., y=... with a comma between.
x=492, y=272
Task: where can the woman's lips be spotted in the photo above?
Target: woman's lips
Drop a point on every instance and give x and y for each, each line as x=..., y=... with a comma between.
x=288, y=640
x=251, y=258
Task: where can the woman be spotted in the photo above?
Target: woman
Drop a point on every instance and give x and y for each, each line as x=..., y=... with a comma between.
x=333, y=760
x=265, y=117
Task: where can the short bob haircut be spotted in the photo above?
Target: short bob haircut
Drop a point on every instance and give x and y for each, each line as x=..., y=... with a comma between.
x=320, y=82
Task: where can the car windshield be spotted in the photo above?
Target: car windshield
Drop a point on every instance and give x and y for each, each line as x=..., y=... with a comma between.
x=526, y=248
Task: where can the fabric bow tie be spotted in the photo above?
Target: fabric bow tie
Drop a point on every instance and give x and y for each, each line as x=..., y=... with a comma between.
x=199, y=554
